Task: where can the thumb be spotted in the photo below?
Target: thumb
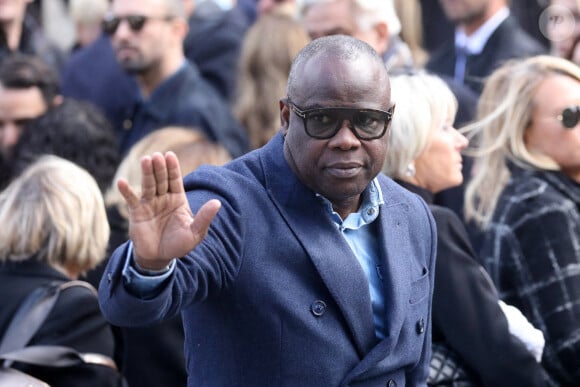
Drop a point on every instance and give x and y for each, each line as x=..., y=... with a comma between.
x=203, y=218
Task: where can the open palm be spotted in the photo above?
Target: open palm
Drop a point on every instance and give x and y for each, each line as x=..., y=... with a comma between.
x=161, y=224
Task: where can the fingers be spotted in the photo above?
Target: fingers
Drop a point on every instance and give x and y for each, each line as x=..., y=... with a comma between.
x=203, y=219
x=175, y=179
x=160, y=174
x=127, y=192
x=148, y=184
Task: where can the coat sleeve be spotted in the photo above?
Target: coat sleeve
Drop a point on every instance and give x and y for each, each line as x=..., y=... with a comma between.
x=206, y=270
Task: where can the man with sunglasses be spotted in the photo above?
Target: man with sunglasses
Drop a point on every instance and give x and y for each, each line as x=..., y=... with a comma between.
x=147, y=37
x=303, y=265
x=28, y=88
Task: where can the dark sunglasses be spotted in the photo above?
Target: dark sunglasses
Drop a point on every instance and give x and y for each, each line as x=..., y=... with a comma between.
x=136, y=22
x=570, y=117
x=324, y=123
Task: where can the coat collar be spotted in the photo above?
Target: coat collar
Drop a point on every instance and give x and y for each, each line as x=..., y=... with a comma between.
x=556, y=179
x=162, y=99
x=31, y=267
x=425, y=194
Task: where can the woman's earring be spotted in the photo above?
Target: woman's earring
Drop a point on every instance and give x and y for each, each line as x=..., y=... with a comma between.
x=410, y=171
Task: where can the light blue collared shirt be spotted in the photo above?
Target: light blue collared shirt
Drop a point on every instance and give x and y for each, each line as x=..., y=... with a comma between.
x=364, y=243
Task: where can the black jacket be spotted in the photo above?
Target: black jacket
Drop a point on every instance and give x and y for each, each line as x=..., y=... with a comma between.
x=75, y=321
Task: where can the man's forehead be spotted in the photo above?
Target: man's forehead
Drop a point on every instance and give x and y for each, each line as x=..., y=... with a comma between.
x=328, y=79
x=145, y=7
x=324, y=19
x=15, y=100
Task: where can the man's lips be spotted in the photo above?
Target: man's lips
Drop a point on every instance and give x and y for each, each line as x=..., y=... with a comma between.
x=344, y=170
x=125, y=49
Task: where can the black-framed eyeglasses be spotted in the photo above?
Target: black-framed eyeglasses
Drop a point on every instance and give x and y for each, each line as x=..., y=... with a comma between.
x=324, y=123
x=570, y=117
x=136, y=22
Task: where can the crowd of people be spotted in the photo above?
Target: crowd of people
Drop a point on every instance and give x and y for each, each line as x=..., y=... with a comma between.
x=296, y=192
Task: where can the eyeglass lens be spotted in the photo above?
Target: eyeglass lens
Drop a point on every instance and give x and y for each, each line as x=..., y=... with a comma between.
x=136, y=23
x=325, y=123
x=570, y=117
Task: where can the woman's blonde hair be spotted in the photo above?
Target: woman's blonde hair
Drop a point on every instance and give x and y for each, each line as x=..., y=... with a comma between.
x=268, y=50
x=422, y=101
x=191, y=146
x=412, y=29
x=54, y=212
x=504, y=113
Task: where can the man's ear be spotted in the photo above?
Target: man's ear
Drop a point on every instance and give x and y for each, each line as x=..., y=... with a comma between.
x=57, y=100
x=180, y=27
x=284, y=117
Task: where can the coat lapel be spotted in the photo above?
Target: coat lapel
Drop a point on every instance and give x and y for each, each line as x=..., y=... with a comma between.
x=395, y=268
x=331, y=255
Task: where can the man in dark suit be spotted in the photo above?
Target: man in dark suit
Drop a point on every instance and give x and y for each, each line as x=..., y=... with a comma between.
x=486, y=35
x=303, y=265
x=170, y=88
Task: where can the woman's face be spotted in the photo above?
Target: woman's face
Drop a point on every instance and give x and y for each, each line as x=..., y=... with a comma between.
x=563, y=27
x=547, y=135
x=439, y=166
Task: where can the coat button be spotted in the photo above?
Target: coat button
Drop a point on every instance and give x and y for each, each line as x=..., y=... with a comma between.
x=420, y=326
x=318, y=308
x=391, y=383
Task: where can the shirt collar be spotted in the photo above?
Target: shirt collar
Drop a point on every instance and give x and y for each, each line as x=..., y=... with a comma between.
x=372, y=199
x=475, y=43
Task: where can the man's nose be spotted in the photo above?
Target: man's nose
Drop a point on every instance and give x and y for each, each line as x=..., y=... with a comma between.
x=345, y=137
x=123, y=30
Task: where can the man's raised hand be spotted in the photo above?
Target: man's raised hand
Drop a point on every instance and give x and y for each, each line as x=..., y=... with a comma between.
x=161, y=224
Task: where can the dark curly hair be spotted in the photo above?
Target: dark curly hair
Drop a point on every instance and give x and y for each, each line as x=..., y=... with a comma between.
x=76, y=131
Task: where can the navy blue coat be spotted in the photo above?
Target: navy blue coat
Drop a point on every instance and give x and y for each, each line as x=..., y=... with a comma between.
x=274, y=296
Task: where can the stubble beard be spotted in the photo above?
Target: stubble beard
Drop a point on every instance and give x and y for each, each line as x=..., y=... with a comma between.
x=470, y=16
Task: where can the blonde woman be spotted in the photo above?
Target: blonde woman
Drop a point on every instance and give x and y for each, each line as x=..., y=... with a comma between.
x=525, y=197
x=425, y=157
x=54, y=227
